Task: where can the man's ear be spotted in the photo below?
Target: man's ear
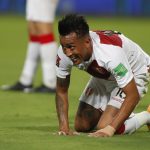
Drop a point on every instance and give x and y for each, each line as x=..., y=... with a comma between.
x=87, y=39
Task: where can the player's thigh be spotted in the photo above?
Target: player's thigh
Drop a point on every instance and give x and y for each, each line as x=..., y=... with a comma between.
x=96, y=93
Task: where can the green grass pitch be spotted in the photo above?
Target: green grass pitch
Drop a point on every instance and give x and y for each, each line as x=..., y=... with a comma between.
x=28, y=121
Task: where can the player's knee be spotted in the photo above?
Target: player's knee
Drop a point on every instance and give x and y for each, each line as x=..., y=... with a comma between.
x=87, y=117
x=82, y=125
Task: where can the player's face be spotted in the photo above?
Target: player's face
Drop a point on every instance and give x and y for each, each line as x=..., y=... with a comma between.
x=77, y=49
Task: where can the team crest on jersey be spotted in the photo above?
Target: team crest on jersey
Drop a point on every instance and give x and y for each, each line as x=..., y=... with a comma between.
x=120, y=70
x=58, y=61
x=97, y=71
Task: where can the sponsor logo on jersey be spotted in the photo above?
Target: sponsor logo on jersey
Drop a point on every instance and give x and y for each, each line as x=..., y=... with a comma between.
x=120, y=70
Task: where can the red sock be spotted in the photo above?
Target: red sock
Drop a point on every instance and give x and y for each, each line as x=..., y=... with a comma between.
x=121, y=129
x=46, y=38
x=34, y=38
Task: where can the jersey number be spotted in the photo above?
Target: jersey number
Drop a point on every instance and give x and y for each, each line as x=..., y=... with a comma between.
x=120, y=93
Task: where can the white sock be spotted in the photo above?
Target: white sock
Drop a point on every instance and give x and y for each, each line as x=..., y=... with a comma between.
x=137, y=121
x=48, y=60
x=30, y=64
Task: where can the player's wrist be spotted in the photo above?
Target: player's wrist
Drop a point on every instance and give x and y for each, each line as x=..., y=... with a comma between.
x=110, y=130
x=64, y=129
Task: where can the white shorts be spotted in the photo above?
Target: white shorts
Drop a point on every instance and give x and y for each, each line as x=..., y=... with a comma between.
x=41, y=10
x=99, y=93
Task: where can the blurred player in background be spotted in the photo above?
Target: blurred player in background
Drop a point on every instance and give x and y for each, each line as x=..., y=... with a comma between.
x=40, y=15
x=120, y=77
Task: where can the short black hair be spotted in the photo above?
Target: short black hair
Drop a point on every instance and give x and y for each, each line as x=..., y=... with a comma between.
x=73, y=23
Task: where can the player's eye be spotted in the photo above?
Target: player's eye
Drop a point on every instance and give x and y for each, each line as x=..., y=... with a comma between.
x=70, y=47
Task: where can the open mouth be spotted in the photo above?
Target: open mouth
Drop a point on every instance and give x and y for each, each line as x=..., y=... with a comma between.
x=74, y=59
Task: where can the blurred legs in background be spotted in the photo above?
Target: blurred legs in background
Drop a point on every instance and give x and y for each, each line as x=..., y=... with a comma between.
x=42, y=47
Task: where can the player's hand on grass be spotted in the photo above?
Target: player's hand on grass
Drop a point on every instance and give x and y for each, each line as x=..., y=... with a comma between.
x=70, y=132
x=108, y=131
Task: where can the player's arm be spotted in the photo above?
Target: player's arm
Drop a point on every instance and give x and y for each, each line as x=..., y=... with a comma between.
x=131, y=100
x=122, y=71
x=62, y=103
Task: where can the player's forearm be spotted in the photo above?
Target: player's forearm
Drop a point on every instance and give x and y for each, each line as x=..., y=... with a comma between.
x=62, y=111
x=62, y=102
x=124, y=112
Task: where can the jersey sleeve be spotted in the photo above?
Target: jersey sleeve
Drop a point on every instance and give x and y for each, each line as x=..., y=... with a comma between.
x=63, y=64
x=120, y=67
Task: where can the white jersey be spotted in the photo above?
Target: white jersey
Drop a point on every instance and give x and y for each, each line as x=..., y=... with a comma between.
x=114, y=57
x=41, y=10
